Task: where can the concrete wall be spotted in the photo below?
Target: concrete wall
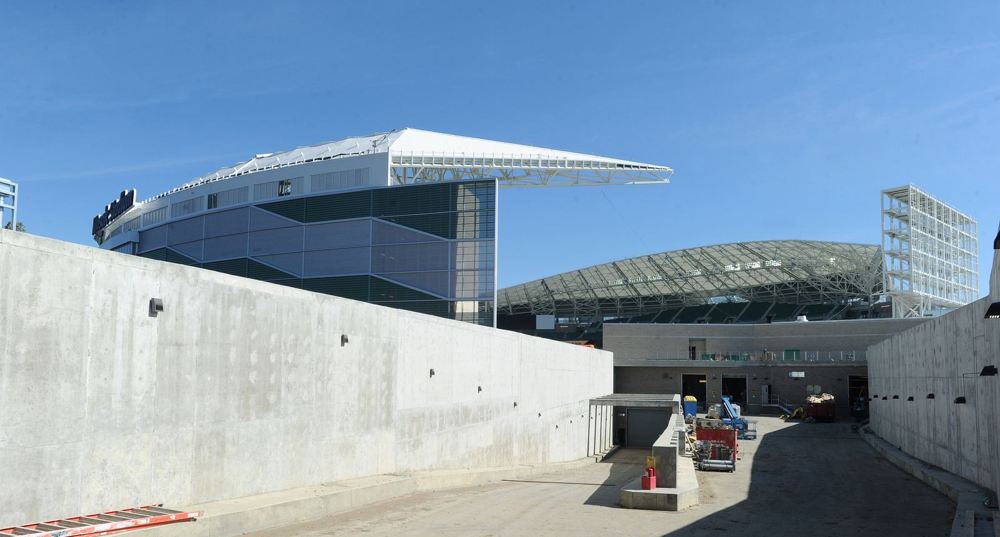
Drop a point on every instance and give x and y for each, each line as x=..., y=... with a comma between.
x=669, y=379
x=943, y=356
x=240, y=387
x=642, y=341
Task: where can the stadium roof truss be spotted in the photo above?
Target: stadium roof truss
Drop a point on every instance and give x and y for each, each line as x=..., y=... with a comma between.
x=799, y=272
x=521, y=171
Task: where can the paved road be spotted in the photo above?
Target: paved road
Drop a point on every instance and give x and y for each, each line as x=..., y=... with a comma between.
x=796, y=480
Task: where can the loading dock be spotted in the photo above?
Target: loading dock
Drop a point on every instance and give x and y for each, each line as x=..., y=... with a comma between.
x=696, y=386
x=735, y=386
x=639, y=419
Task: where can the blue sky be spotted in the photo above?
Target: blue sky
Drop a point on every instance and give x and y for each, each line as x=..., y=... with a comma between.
x=782, y=119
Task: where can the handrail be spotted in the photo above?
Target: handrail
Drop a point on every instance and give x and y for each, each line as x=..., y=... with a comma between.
x=786, y=356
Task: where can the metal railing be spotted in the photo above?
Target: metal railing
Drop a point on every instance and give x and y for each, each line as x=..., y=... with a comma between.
x=787, y=356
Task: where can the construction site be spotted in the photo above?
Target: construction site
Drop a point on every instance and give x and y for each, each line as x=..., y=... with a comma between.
x=312, y=342
x=219, y=405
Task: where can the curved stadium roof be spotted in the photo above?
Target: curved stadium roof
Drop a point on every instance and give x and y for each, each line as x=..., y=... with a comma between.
x=798, y=272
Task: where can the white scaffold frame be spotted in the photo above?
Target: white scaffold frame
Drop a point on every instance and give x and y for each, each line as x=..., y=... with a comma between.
x=8, y=202
x=931, y=253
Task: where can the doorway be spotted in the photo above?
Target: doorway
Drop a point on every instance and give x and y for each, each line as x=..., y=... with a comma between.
x=736, y=389
x=857, y=393
x=696, y=348
x=695, y=385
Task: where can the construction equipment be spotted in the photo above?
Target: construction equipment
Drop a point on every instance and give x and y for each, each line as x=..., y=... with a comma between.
x=104, y=523
x=730, y=415
x=716, y=447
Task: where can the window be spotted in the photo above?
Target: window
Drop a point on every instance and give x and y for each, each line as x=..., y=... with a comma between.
x=285, y=187
x=213, y=201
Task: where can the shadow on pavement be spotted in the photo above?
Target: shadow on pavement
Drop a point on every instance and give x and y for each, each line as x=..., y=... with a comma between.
x=625, y=465
x=820, y=479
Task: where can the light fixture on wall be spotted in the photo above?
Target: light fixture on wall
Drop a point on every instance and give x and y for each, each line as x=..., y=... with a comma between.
x=960, y=400
x=432, y=371
x=993, y=312
x=910, y=398
x=155, y=306
x=895, y=397
x=343, y=339
x=884, y=398
x=930, y=396
x=988, y=371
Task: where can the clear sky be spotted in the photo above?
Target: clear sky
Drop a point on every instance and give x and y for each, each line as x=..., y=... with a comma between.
x=782, y=120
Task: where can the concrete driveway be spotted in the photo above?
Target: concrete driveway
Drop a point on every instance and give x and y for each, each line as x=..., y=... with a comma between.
x=795, y=480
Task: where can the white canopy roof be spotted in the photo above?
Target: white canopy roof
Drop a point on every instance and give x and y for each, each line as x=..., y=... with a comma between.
x=425, y=156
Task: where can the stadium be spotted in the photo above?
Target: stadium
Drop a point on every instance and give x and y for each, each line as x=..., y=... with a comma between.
x=405, y=218
x=747, y=282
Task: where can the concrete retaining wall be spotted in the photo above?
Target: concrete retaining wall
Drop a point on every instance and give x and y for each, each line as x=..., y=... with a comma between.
x=241, y=387
x=943, y=356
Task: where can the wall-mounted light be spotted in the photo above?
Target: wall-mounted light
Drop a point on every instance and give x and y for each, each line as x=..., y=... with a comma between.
x=155, y=306
x=515, y=404
x=479, y=389
x=960, y=400
x=910, y=398
x=988, y=371
x=432, y=371
x=895, y=397
x=993, y=312
x=884, y=398
x=930, y=396
x=343, y=339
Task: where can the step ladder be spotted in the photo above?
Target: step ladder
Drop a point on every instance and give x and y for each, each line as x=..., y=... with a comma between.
x=103, y=523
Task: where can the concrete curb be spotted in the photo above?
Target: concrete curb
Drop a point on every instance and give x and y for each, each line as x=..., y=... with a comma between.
x=972, y=517
x=228, y=518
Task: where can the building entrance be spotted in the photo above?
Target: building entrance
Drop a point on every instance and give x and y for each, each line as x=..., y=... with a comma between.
x=695, y=385
x=736, y=389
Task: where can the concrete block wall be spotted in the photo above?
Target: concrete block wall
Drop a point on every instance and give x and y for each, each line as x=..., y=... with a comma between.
x=943, y=356
x=241, y=387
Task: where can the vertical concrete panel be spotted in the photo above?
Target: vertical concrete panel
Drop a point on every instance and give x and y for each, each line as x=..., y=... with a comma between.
x=942, y=356
x=240, y=387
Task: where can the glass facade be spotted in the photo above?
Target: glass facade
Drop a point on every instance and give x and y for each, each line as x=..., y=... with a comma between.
x=428, y=248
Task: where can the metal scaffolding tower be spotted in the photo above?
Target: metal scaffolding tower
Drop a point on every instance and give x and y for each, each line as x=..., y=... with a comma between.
x=8, y=203
x=931, y=253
